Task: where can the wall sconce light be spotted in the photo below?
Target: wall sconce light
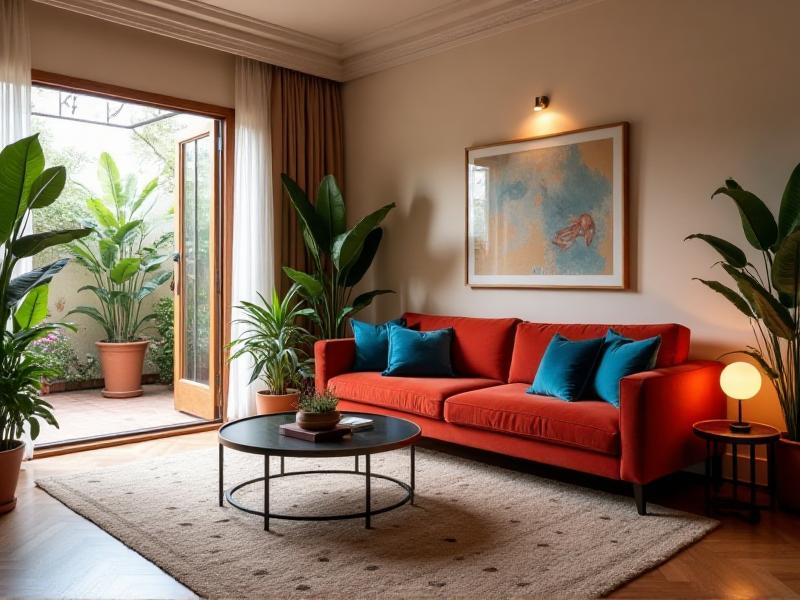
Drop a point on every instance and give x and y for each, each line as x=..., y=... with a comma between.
x=541, y=103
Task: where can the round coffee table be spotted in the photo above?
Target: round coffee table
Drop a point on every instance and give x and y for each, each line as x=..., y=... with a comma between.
x=261, y=435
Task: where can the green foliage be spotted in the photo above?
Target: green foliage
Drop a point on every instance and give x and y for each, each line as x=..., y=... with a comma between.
x=25, y=186
x=311, y=401
x=768, y=296
x=274, y=341
x=55, y=354
x=126, y=269
x=340, y=256
x=162, y=349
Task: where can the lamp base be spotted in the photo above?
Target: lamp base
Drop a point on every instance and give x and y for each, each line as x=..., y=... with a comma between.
x=740, y=427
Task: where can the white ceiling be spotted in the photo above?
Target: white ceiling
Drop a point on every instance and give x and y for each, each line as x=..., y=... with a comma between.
x=337, y=39
x=337, y=21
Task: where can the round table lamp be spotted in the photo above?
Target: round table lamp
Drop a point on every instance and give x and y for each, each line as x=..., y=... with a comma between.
x=740, y=381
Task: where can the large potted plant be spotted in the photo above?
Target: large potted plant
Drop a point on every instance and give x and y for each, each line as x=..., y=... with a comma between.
x=277, y=346
x=767, y=295
x=25, y=185
x=124, y=256
x=340, y=256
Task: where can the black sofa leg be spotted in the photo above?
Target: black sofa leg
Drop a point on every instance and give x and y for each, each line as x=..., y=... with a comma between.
x=641, y=498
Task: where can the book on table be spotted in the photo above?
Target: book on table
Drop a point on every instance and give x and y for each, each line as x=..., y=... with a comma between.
x=356, y=423
x=328, y=435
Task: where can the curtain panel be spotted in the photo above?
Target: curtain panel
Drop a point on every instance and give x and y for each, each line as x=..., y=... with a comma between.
x=307, y=144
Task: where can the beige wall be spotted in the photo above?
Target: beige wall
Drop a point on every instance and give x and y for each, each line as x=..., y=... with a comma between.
x=710, y=89
x=71, y=44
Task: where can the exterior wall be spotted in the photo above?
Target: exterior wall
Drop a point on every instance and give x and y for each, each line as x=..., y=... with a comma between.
x=709, y=90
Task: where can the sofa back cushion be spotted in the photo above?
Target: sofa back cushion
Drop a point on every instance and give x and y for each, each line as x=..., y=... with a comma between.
x=532, y=339
x=481, y=347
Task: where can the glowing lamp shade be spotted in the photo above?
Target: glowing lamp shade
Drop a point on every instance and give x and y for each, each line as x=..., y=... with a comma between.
x=740, y=380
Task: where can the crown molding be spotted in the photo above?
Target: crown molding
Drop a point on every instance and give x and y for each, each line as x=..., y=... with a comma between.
x=456, y=23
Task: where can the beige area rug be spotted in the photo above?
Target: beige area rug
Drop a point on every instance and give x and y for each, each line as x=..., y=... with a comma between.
x=476, y=531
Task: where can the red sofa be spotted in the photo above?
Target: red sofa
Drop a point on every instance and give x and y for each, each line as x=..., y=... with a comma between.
x=486, y=407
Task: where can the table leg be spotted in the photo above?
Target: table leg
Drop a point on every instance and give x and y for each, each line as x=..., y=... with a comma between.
x=735, y=467
x=282, y=466
x=266, y=492
x=221, y=494
x=753, y=507
x=413, y=468
x=716, y=466
x=771, y=474
x=708, y=471
x=368, y=508
x=356, y=463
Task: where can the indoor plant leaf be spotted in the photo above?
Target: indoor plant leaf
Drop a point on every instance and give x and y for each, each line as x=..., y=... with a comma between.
x=786, y=266
x=21, y=285
x=759, y=358
x=310, y=285
x=31, y=245
x=110, y=182
x=47, y=187
x=20, y=164
x=148, y=189
x=124, y=269
x=365, y=299
x=33, y=309
x=758, y=223
x=124, y=231
x=348, y=245
x=105, y=218
x=731, y=253
x=789, y=213
x=305, y=210
x=776, y=317
x=95, y=314
x=108, y=252
x=731, y=295
x=359, y=268
x=330, y=207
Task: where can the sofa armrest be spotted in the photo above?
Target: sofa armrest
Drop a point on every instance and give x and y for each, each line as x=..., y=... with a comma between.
x=657, y=410
x=331, y=358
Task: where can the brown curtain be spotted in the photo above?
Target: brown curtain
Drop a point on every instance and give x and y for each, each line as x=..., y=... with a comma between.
x=307, y=144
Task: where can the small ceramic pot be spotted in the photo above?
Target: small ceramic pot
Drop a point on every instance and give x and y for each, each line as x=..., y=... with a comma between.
x=270, y=404
x=787, y=458
x=318, y=421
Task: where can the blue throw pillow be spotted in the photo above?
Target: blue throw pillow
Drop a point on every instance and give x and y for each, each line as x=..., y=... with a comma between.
x=619, y=358
x=420, y=353
x=372, y=344
x=566, y=367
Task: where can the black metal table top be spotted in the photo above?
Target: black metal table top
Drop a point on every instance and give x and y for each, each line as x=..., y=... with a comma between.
x=261, y=435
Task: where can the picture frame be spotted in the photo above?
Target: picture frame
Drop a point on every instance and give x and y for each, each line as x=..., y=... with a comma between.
x=549, y=211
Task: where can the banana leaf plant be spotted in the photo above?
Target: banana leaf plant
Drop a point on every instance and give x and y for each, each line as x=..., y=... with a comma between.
x=340, y=256
x=121, y=255
x=767, y=294
x=25, y=185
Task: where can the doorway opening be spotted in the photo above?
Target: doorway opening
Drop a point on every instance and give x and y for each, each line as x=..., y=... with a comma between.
x=148, y=173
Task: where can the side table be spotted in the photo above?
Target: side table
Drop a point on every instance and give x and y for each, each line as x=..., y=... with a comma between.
x=717, y=435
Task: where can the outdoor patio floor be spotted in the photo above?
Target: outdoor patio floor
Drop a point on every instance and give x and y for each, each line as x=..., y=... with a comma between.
x=87, y=413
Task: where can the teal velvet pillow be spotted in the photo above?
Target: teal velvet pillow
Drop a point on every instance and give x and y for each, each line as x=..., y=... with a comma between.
x=566, y=367
x=619, y=358
x=419, y=353
x=372, y=344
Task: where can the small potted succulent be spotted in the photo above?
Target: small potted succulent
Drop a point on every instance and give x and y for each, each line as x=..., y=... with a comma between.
x=277, y=346
x=316, y=411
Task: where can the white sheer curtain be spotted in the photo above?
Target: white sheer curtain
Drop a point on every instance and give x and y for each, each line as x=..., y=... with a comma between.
x=15, y=96
x=253, y=249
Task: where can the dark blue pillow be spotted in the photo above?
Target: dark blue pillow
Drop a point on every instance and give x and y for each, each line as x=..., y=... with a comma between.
x=566, y=367
x=372, y=344
x=420, y=353
x=619, y=358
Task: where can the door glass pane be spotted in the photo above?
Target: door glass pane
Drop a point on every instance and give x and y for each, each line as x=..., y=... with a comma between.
x=195, y=291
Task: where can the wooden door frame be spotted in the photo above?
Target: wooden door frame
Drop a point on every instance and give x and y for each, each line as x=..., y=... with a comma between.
x=224, y=114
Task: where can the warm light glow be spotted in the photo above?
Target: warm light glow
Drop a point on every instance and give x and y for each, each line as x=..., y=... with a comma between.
x=740, y=380
x=540, y=103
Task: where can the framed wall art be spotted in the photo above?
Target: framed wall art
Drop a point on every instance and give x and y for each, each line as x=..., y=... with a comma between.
x=549, y=211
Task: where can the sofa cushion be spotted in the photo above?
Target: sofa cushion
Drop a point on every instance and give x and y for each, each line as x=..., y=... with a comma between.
x=372, y=344
x=532, y=339
x=418, y=395
x=419, y=353
x=591, y=425
x=481, y=347
x=566, y=368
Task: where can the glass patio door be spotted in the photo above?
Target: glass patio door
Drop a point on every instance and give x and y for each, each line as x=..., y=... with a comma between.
x=197, y=283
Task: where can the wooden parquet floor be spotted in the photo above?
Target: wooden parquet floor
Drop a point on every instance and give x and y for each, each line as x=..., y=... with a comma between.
x=47, y=551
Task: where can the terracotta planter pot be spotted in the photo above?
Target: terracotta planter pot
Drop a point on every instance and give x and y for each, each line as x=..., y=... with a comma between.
x=122, y=365
x=269, y=404
x=317, y=421
x=787, y=459
x=10, y=462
